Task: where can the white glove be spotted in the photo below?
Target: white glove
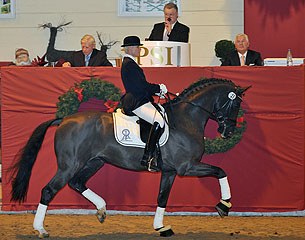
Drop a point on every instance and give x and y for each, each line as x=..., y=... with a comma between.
x=163, y=89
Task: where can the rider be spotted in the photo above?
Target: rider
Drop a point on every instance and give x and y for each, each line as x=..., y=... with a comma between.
x=138, y=98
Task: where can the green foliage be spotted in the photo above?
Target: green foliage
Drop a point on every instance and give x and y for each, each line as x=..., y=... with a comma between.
x=94, y=88
x=223, y=48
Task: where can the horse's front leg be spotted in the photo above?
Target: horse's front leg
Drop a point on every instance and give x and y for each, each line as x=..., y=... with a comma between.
x=167, y=180
x=202, y=170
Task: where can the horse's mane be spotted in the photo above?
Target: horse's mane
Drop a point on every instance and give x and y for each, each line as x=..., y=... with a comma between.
x=199, y=85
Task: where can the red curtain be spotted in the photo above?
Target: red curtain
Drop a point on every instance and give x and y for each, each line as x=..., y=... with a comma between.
x=265, y=170
x=275, y=26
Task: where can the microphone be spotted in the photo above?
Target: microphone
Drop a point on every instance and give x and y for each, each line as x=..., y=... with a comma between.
x=169, y=19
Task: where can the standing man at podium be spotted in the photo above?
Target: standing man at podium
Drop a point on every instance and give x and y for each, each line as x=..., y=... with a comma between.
x=170, y=29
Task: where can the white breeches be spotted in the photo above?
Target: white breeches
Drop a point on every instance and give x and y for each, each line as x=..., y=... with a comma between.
x=149, y=113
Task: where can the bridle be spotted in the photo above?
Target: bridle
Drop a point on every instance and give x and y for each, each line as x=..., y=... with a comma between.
x=215, y=115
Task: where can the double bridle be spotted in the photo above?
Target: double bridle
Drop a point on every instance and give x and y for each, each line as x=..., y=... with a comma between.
x=215, y=115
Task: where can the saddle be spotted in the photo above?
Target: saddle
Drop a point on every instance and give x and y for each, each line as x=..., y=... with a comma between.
x=131, y=131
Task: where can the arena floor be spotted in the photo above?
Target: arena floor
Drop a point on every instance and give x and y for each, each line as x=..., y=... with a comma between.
x=118, y=227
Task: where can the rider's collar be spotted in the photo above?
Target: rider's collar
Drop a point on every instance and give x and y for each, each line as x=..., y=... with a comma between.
x=128, y=55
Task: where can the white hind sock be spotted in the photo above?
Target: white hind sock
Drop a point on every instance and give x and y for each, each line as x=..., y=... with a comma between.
x=39, y=217
x=158, y=220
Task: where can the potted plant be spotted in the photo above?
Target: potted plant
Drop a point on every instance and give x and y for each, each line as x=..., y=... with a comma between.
x=223, y=48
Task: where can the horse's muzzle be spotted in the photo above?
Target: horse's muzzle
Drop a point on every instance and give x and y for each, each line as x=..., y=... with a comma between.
x=224, y=136
x=226, y=131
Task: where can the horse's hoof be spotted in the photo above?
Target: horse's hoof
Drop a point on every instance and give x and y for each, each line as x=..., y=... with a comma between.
x=101, y=214
x=223, y=208
x=42, y=233
x=165, y=231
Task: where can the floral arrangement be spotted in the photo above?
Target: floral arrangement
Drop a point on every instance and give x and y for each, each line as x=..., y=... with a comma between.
x=70, y=101
x=223, y=48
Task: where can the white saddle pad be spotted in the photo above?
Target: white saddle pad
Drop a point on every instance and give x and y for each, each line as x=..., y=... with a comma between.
x=127, y=130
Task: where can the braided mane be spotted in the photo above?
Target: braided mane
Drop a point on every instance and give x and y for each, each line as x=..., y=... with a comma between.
x=199, y=85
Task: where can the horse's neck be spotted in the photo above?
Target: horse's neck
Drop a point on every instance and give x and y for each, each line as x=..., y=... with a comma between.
x=186, y=116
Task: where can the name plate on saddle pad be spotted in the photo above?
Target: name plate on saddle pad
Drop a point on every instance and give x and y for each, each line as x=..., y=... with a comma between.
x=127, y=130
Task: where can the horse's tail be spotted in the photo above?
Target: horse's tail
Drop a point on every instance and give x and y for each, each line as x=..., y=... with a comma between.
x=25, y=160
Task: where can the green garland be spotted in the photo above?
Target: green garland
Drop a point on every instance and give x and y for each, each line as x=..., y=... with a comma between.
x=70, y=101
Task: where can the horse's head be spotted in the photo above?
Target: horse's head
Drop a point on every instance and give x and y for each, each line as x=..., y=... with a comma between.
x=218, y=99
x=226, y=110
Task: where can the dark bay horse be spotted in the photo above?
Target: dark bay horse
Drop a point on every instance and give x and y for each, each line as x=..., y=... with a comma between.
x=78, y=161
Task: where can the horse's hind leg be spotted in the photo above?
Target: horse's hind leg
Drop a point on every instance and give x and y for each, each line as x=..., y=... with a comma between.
x=47, y=194
x=202, y=170
x=78, y=183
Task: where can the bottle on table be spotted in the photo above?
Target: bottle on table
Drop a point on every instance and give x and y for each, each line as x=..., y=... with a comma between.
x=289, y=58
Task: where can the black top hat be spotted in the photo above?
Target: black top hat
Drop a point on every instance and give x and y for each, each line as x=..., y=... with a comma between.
x=131, y=41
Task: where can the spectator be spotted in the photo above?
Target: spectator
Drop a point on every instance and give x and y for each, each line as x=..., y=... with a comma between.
x=88, y=56
x=170, y=29
x=242, y=55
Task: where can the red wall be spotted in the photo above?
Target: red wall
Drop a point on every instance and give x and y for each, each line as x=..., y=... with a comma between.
x=274, y=26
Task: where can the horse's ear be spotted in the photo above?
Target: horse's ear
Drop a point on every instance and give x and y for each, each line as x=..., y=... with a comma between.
x=241, y=91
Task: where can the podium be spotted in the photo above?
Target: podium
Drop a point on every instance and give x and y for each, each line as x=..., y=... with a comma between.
x=164, y=54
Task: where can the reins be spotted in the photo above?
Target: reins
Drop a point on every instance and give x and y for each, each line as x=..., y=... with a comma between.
x=213, y=115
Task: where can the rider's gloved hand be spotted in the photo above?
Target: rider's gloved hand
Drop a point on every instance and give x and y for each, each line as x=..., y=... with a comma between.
x=163, y=89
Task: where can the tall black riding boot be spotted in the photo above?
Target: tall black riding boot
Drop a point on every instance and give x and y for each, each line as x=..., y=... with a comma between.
x=148, y=159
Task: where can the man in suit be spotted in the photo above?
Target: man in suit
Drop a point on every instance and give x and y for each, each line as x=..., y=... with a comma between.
x=77, y=58
x=242, y=55
x=170, y=29
x=88, y=56
x=138, y=98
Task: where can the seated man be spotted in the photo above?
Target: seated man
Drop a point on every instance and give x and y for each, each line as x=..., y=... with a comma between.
x=242, y=55
x=170, y=29
x=88, y=56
